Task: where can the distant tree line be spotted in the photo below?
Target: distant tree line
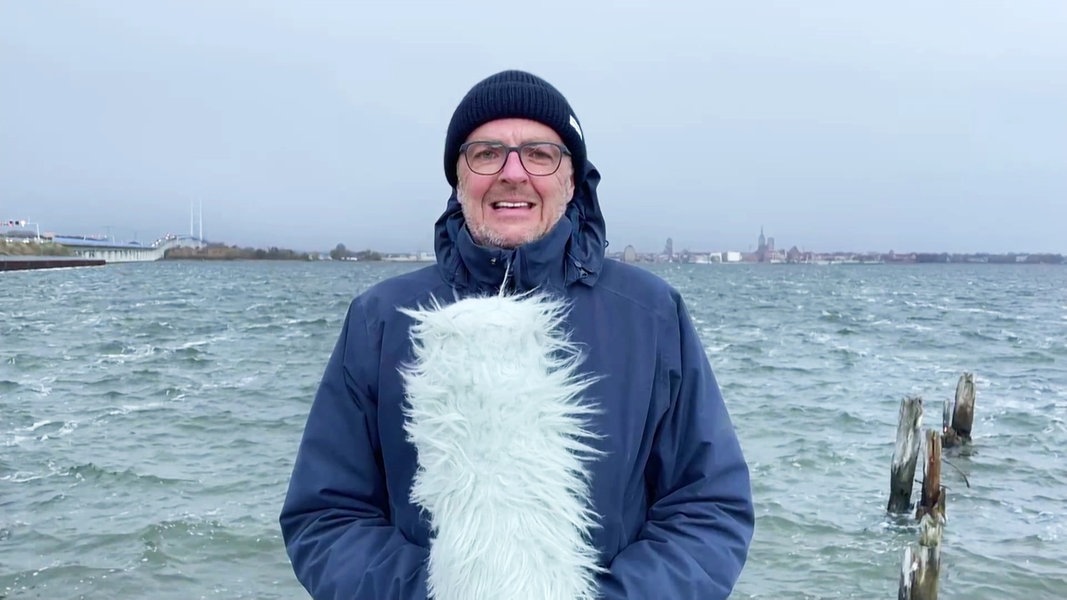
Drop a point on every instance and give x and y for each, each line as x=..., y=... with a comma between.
x=1007, y=259
x=33, y=249
x=224, y=252
x=342, y=253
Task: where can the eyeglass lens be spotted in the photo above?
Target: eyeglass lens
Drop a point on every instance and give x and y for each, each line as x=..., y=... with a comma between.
x=538, y=158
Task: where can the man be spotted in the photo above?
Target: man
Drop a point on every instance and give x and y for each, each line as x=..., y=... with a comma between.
x=524, y=419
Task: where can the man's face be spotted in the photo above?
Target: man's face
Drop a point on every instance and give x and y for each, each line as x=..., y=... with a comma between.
x=512, y=207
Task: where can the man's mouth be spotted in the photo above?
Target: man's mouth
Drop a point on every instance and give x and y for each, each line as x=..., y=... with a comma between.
x=511, y=205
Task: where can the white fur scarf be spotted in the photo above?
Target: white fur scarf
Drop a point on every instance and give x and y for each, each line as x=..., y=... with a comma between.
x=496, y=416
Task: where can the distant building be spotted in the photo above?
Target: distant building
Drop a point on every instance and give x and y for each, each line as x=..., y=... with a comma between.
x=413, y=257
x=629, y=254
x=796, y=255
x=764, y=248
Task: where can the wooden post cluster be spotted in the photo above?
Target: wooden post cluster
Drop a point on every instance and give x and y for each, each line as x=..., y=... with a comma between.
x=922, y=563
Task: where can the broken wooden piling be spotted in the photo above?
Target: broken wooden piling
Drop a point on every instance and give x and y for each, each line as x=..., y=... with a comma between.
x=932, y=498
x=958, y=421
x=919, y=573
x=905, y=455
x=922, y=566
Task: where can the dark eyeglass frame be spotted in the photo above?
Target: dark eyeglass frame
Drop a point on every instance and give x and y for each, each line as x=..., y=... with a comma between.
x=517, y=149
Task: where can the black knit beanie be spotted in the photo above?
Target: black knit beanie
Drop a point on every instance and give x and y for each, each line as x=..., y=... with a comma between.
x=513, y=94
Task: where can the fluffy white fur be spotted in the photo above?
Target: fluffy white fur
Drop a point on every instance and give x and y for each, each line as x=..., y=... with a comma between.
x=496, y=415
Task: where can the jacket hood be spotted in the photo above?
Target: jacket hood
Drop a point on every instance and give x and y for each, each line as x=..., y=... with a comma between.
x=572, y=252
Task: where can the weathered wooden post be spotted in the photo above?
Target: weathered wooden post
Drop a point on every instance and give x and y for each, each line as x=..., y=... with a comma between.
x=932, y=502
x=957, y=422
x=902, y=470
x=919, y=575
x=906, y=569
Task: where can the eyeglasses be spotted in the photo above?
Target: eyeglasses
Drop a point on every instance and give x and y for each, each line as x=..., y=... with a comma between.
x=538, y=158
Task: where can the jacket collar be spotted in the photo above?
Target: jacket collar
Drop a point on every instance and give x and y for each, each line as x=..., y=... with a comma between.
x=572, y=252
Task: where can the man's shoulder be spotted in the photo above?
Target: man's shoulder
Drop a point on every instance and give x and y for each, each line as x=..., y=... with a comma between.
x=634, y=274
x=403, y=290
x=637, y=285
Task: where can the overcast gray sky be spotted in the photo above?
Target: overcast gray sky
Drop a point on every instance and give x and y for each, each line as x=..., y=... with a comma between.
x=834, y=125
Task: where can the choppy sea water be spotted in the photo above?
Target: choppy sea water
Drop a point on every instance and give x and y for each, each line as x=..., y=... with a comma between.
x=150, y=413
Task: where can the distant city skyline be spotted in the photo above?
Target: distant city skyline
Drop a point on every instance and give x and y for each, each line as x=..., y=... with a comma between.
x=911, y=126
x=196, y=228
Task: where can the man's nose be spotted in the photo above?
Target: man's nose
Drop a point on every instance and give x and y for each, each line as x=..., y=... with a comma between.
x=513, y=169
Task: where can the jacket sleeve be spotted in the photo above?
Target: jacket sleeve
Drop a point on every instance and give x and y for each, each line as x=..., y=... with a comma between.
x=695, y=539
x=335, y=519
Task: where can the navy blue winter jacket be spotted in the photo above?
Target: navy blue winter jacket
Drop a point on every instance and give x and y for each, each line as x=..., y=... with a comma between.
x=671, y=490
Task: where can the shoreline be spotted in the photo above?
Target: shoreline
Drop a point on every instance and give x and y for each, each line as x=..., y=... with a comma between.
x=27, y=263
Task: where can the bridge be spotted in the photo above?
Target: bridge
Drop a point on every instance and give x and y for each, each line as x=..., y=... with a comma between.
x=111, y=251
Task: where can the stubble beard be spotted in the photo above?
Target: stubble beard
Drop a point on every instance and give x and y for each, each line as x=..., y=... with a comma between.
x=485, y=236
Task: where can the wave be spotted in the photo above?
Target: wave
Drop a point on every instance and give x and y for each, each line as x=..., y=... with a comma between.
x=92, y=473
x=266, y=327
x=50, y=429
x=136, y=408
x=121, y=353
